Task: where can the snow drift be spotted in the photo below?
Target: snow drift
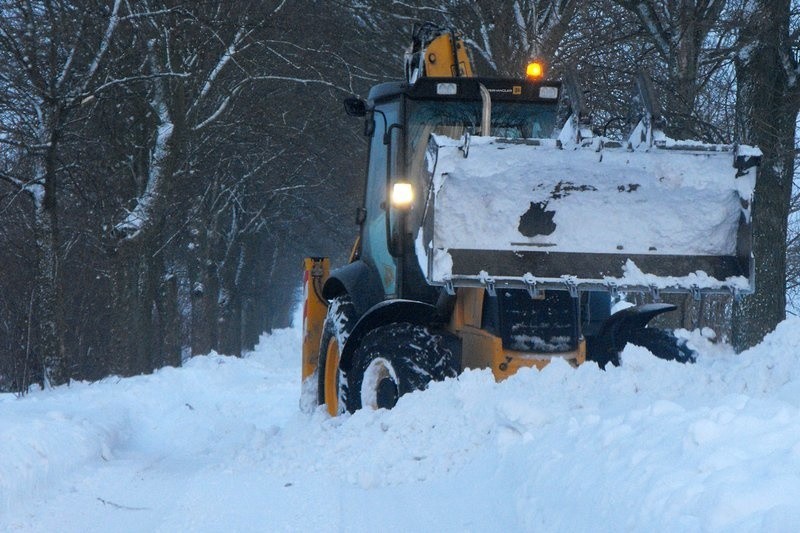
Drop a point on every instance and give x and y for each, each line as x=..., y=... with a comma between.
x=220, y=444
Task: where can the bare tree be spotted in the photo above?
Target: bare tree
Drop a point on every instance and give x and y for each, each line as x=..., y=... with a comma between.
x=51, y=55
x=504, y=36
x=768, y=99
x=679, y=31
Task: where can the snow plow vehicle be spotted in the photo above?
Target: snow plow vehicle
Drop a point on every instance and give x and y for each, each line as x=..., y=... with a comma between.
x=492, y=238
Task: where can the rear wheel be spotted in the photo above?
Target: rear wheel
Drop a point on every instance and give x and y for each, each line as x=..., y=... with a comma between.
x=395, y=359
x=332, y=385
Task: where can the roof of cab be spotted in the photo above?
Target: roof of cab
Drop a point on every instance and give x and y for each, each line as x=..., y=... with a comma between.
x=502, y=89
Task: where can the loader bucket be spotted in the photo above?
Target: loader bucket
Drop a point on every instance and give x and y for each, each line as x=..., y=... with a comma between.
x=531, y=213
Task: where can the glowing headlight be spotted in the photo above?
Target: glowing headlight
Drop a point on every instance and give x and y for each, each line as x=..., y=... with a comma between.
x=402, y=195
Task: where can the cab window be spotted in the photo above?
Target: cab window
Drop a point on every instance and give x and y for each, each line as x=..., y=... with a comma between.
x=374, y=246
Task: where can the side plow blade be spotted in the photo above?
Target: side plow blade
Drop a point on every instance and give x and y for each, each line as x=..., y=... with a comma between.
x=504, y=213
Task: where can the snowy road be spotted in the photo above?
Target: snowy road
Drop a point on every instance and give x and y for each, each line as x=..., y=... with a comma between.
x=220, y=445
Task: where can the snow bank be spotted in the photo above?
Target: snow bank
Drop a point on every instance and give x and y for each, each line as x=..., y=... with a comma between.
x=221, y=445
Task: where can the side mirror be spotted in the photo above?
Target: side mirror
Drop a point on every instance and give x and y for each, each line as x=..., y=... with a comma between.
x=355, y=107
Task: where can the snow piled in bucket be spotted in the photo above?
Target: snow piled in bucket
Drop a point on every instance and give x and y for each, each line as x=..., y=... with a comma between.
x=658, y=202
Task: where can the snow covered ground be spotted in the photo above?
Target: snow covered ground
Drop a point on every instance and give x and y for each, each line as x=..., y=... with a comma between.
x=220, y=445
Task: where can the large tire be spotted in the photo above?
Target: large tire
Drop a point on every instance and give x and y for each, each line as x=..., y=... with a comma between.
x=332, y=384
x=663, y=344
x=395, y=359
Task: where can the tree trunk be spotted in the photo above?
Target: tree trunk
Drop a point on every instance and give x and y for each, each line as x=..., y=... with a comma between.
x=252, y=293
x=230, y=303
x=766, y=113
x=125, y=325
x=230, y=322
x=135, y=285
x=169, y=323
x=204, y=294
x=149, y=344
x=48, y=302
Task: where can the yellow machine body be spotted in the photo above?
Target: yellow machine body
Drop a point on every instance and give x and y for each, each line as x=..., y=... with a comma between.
x=442, y=56
x=315, y=272
x=481, y=349
x=530, y=254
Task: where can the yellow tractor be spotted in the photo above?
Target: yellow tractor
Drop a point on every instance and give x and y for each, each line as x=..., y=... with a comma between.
x=493, y=237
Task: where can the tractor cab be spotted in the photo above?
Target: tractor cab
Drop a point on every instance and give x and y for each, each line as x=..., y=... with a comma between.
x=400, y=120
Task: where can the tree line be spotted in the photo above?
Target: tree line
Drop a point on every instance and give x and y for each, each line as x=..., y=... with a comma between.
x=165, y=165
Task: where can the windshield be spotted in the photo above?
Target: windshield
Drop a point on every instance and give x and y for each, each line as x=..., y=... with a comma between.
x=516, y=120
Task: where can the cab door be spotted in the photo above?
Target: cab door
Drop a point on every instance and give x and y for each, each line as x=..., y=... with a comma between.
x=374, y=245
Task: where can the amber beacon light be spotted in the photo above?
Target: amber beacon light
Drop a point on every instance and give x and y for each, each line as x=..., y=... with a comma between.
x=534, y=70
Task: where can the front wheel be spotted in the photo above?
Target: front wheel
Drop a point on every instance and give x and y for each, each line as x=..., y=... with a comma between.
x=396, y=359
x=332, y=385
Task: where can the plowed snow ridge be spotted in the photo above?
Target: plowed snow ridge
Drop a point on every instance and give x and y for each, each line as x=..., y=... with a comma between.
x=220, y=445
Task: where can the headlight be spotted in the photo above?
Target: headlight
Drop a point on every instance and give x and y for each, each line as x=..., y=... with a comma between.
x=548, y=92
x=402, y=195
x=446, y=88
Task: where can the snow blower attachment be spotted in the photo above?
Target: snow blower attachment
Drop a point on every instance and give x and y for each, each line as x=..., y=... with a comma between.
x=493, y=237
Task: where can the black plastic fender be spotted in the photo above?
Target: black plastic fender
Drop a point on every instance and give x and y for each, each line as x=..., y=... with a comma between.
x=385, y=312
x=358, y=280
x=615, y=331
